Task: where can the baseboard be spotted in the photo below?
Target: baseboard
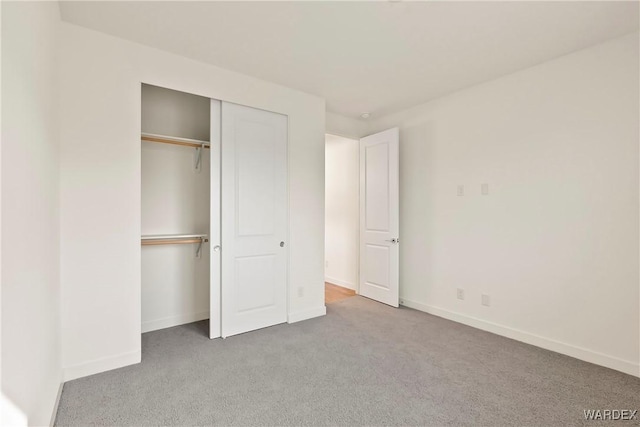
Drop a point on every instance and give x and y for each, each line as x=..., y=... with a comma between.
x=168, y=322
x=306, y=314
x=339, y=282
x=584, y=354
x=101, y=365
x=55, y=406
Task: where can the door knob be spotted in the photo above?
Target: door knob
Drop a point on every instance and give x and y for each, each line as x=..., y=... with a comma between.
x=282, y=244
x=216, y=248
x=394, y=240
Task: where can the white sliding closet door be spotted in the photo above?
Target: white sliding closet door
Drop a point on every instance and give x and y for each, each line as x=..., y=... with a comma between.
x=254, y=219
x=214, y=223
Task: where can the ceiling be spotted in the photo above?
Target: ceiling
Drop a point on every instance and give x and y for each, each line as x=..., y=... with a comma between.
x=378, y=57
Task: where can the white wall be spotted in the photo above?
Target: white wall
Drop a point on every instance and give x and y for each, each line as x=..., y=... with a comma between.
x=31, y=367
x=175, y=200
x=100, y=80
x=342, y=182
x=555, y=243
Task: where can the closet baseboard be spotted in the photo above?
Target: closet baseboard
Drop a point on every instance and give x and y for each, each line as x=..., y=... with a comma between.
x=301, y=315
x=168, y=322
x=101, y=365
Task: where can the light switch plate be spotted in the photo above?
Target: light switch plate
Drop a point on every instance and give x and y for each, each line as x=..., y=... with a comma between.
x=486, y=300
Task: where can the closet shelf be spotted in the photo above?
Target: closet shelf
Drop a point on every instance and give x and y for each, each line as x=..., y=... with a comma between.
x=164, y=139
x=173, y=239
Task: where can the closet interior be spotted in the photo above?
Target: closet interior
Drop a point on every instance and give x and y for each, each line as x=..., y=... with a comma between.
x=176, y=168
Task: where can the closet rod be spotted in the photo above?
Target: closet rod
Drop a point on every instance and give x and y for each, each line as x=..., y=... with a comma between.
x=175, y=239
x=185, y=142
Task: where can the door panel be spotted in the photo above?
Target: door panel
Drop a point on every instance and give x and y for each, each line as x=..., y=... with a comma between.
x=254, y=218
x=256, y=151
x=251, y=270
x=377, y=268
x=377, y=189
x=379, y=217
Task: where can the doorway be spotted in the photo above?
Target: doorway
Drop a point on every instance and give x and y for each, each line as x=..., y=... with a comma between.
x=362, y=217
x=341, y=217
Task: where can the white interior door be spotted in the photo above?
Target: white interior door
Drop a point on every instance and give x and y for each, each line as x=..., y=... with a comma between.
x=380, y=217
x=214, y=223
x=254, y=219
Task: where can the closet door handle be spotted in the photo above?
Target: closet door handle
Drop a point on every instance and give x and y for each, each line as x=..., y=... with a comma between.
x=282, y=244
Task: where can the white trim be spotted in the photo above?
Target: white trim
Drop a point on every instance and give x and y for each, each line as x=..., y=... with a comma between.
x=101, y=365
x=55, y=406
x=626, y=366
x=168, y=322
x=339, y=282
x=306, y=314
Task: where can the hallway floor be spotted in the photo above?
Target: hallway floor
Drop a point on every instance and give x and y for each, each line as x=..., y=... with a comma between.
x=334, y=293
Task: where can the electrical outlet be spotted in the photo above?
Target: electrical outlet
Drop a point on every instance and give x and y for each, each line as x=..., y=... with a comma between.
x=300, y=291
x=460, y=293
x=484, y=189
x=460, y=190
x=486, y=300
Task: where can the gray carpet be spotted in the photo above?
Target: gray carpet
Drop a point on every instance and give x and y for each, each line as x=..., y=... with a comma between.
x=362, y=364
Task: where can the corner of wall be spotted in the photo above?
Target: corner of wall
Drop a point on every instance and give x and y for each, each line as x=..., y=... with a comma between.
x=339, y=125
x=301, y=315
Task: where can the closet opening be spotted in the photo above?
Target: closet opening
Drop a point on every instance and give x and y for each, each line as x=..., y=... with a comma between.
x=214, y=214
x=342, y=180
x=175, y=185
